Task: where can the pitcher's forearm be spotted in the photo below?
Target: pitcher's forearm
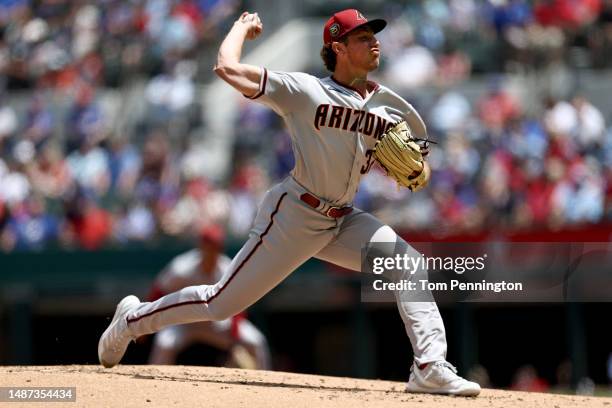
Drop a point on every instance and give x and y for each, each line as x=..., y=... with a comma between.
x=230, y=51
x=242, y=77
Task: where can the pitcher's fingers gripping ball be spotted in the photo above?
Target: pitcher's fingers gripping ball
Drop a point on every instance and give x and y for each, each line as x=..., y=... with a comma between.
x=253, y=23
x=402, y=158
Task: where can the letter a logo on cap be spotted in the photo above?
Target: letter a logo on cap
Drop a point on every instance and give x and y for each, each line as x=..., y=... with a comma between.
x=360, y=16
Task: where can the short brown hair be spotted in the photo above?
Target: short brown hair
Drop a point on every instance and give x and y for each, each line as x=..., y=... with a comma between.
x=329, y=56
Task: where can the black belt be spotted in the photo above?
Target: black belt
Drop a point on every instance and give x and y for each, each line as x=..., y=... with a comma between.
x=332, y=212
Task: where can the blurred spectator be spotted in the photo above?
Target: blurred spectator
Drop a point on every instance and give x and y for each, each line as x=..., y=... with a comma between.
x=216, y=12
x=417, y=60
x=567, y=13
x=505, y=14
x=526, y=378
x=50, y=174
x=600, y=38
x=172, y=95
x=135, y=223
x=462, y=15
x=178, y=32
x=85, y=31
x=124, y=166
x=564, y=377
x=480, y=374
x=580, y=197
x=88, y=225
x=560, y=118
x=85, y=119
x=538, y=200
x=451, y=112
x=454, y=66
x=199, y=203
x=247, y=188
x=284, y=155
x=157, y=183
x=8, y=120
x=14, y=185
x=256, y=125
x=591, y=124
x=30, y=227
x=39, y=123
x=405, y=49
x=585, y=386
x=497, y=107
x=463, y=159
x=89, y=164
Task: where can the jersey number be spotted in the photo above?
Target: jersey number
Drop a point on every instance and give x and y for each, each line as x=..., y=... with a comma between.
x=366, y=168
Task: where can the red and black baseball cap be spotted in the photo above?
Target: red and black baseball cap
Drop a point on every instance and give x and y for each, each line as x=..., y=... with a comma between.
x=345, y=21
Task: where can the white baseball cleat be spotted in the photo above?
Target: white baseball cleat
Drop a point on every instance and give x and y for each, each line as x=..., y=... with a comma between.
x=116, y=338
x=440, y=377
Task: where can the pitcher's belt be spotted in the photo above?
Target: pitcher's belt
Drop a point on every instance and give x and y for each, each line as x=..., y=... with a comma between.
x=332, y=212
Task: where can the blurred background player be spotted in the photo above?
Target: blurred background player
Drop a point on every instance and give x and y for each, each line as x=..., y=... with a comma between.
x=246, y=345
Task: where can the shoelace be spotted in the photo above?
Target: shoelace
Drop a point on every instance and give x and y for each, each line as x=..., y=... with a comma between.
x=445, y=374
x=441, y=364
x=447, y=365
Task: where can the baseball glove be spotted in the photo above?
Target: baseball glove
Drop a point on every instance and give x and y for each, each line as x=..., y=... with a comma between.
x=401, y=156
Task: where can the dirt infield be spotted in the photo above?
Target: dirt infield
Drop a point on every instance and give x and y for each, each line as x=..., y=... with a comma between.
x=179, y=386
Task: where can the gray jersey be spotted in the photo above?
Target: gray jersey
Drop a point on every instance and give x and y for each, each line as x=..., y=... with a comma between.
x=333, y=128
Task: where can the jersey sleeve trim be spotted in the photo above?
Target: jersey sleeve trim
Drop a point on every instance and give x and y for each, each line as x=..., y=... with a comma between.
x=262, y=85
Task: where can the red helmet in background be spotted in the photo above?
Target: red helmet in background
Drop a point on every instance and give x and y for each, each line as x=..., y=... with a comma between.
x=212, y=234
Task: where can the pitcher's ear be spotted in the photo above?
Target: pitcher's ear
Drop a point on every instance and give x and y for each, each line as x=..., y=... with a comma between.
x=338, y=48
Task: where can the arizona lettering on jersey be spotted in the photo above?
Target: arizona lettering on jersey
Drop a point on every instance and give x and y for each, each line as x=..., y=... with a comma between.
x=333, y=128
x=352, y=120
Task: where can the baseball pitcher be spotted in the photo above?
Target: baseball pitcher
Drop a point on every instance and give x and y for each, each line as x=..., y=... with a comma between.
x=337, y=125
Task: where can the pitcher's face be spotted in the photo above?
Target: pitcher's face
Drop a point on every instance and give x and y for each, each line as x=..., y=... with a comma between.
x=363, y=49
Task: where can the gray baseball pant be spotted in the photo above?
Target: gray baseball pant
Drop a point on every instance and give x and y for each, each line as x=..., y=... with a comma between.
x=286, y=233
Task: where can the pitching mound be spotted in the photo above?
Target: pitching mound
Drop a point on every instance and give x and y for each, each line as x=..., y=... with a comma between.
x=174, y=386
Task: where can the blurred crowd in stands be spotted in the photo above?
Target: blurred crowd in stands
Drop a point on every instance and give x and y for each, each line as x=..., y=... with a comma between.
x=55, y=43
x=70, y=177
x=457, y=37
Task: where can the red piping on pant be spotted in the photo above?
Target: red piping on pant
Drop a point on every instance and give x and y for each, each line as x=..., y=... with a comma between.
x=206, y=301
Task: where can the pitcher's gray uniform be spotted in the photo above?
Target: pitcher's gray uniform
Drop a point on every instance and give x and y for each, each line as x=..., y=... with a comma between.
x=333, y=129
